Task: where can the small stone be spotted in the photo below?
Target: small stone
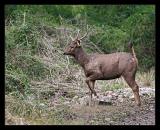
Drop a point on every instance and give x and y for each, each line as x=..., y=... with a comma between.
x=66, y=103
x=42, y=104
x=75, y=97
x=120, y=99
x=109, y=97
x=111, y=122
x=127, y=94
x=84, y=100
x=115, y=94
x=151, y=108
x=114, y=97
x=110, y=92
x=120, y=96
x=92, y=121
x=131, y=97
x=107, y=119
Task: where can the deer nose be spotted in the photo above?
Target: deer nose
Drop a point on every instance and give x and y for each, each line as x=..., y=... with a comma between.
x=64, y=53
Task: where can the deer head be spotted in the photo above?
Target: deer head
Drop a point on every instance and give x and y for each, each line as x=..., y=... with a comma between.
x=72, y=48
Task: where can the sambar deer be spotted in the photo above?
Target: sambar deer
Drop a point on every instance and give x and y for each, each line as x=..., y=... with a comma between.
x=105, y=66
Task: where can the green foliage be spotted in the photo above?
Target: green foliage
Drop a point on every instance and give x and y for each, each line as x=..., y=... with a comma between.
x=110, y=39
x=114, y=25
x=16, y=81
x=34, y=37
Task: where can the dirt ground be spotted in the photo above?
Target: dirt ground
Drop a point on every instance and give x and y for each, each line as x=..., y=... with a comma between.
x=119, y=112
x=124, y=113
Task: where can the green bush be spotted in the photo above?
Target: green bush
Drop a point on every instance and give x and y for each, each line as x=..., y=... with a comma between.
x=114, y=26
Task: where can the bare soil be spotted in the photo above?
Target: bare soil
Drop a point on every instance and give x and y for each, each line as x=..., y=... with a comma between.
x=124, y=113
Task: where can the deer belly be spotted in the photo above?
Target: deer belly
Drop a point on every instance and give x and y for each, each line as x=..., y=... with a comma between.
x=110, y=77
x=110, y=73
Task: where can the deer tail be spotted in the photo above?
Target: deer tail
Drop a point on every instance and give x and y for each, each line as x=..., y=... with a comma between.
x=133, y=52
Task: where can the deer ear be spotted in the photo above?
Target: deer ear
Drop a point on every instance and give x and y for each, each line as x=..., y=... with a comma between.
x=78, y=43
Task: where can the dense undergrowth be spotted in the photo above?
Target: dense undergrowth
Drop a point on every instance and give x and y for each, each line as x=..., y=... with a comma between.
x=35, y=36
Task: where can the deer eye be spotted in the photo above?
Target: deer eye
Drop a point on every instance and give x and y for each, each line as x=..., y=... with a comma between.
x=72, y=47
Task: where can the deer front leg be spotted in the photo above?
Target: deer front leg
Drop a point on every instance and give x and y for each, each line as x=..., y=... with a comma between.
x=90, y=84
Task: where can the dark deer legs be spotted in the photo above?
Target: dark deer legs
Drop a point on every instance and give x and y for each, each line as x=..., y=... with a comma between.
x=135, y=88
x=91, y=84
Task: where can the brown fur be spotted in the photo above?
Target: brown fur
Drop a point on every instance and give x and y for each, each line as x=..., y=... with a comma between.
x=106, y=66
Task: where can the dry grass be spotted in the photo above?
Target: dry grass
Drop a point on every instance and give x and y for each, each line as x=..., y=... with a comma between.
x=38, y=111
x=64, y=77
x=146, y=78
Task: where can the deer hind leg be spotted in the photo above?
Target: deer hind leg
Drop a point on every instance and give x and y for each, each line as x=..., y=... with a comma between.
x=135, y=88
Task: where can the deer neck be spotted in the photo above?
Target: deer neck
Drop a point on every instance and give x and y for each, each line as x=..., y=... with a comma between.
x=81, y=57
